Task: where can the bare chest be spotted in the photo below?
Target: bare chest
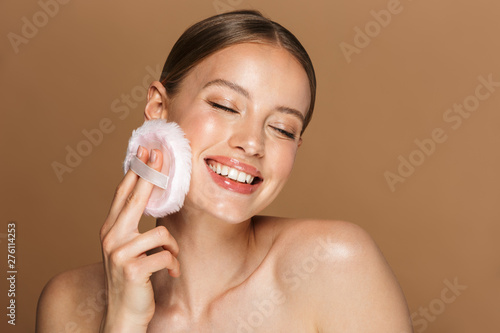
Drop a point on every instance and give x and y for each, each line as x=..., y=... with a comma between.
x=258, y=305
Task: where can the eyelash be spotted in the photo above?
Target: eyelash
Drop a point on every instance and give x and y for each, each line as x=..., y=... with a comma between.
x=285, y=133
x=222, y=107
x=279, y=130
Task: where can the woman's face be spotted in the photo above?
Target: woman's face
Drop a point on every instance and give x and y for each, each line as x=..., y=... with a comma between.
x=242, y=110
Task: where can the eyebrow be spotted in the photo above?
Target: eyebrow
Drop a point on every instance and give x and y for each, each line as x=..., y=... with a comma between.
x=224, y=83
x=293, y=112
x=242, y=91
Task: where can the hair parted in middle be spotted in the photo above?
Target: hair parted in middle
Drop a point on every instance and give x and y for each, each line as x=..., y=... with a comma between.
x=220, y=31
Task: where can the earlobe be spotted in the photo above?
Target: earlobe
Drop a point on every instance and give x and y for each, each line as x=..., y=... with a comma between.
x=156, y=107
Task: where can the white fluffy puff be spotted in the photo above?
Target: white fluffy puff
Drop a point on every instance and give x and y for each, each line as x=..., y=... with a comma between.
x=170, y=139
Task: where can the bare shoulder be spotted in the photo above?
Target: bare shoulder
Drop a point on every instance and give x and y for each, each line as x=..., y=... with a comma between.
x=73, y=301
x=337, y=273
x=318, y=247
x=293, y=238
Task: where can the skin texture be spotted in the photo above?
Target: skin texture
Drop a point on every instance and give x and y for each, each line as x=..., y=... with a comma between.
x=216, y=266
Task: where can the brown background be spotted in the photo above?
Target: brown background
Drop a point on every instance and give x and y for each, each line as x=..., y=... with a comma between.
x=440, y=224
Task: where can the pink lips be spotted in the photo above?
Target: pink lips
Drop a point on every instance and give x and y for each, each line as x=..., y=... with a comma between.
x=230, y=184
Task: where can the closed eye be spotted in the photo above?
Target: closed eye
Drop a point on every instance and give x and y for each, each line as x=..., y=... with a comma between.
x=277, y=129
x=285, y=133
x=221, y=107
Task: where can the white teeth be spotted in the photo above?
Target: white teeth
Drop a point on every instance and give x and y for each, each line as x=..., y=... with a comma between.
x=231, y=173
x=249, y=179
x=241, y=177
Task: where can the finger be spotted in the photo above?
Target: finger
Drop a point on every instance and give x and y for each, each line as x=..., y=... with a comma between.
x=154, y=238
x=158, y=261
x=135, y=203
x=122, y=192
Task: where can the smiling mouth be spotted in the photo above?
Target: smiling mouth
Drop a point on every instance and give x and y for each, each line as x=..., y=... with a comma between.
x=232, y=173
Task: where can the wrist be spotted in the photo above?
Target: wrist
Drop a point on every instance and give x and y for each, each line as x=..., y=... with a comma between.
x=122, y=324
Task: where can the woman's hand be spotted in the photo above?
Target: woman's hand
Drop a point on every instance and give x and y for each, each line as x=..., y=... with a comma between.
x=128, y=269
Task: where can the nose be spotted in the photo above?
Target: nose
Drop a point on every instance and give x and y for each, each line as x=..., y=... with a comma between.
x=249, y=138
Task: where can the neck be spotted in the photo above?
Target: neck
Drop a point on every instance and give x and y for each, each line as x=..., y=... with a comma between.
x=214, y=256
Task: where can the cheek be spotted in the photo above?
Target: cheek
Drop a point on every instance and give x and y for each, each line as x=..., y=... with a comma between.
x=200, y=128
x=283, y=159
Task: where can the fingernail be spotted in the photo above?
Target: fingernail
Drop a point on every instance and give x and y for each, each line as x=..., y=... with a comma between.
x=153, y=155
x=140, y=151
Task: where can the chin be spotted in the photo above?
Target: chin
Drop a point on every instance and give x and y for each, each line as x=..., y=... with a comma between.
x=211, y=199
x=232, y=215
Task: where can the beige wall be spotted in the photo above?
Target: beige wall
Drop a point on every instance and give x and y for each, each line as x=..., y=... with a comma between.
x=440, y=224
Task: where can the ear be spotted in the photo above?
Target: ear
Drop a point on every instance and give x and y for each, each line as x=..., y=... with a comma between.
x=157, y=105
x=300, y=142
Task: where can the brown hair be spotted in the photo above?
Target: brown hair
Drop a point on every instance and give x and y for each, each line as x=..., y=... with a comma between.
x=217, y=32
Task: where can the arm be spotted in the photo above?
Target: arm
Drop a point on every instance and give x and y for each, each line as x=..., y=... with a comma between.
x=124, y=275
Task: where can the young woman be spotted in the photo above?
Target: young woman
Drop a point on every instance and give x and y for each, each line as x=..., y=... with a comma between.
x=242, y=88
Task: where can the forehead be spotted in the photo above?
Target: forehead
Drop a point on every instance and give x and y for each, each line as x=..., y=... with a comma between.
x=269, y=73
